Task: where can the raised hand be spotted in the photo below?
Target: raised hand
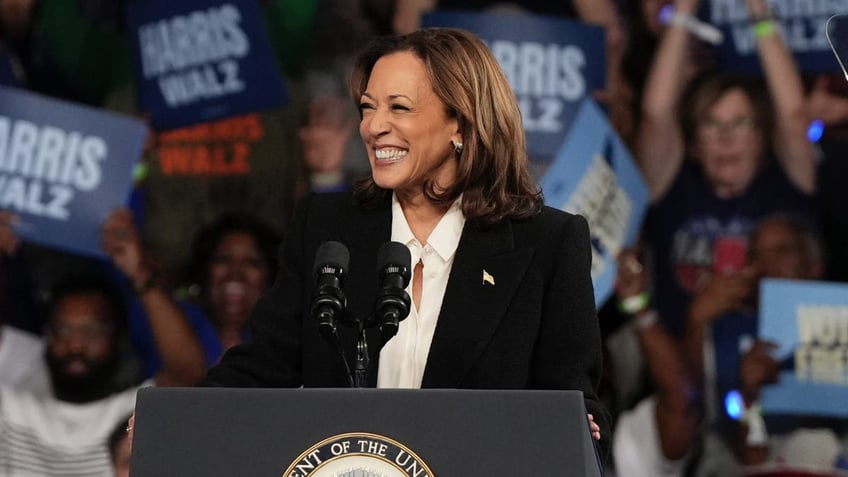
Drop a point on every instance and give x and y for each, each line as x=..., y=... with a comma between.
x=120, y=240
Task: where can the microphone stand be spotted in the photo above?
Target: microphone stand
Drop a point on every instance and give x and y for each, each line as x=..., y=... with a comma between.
x=363, y=359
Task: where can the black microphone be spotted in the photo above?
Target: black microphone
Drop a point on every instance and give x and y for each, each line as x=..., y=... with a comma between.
x=328, y=302
x=392, y=303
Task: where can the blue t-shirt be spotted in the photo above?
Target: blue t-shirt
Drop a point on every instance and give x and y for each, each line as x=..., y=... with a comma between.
x=142, y=340
x=683, y=228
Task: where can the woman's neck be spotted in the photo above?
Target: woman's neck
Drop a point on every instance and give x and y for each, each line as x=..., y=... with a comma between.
x=421, y=214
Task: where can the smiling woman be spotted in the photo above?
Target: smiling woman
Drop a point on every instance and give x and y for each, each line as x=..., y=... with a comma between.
x=501, y=288
x=406, y=128
x=475, y=106
x=234, y=261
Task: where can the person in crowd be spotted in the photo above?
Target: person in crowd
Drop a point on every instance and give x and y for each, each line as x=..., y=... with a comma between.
x=121, y=227
x=248, y=164
x=644, y=31
x=500, y=284
x=64, y=433
x=234, y=263
x=20, y=351
x=656, y=437
x=332, y=155
x=725, y=354
x=727, y=163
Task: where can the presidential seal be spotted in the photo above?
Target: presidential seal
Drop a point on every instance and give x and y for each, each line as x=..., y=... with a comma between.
x=358, y=454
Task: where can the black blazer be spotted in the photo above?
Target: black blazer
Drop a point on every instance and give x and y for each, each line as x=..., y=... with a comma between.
x=535, y=328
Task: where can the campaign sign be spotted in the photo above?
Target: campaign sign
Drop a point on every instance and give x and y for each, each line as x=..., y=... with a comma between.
x=801, y=22
x=551, y=63
x=64, y=168
x=199, y=60
x=809, y=322
x=594, y=175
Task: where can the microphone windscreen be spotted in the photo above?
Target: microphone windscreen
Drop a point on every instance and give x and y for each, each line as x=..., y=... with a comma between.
x=394, y=257
x=333, y=254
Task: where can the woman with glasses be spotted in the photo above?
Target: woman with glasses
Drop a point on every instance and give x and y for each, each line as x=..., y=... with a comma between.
x=718, y=155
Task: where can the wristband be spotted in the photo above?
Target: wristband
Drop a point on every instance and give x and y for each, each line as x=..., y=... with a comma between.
x=634, y=304
x=764, y=28
x=753, y=418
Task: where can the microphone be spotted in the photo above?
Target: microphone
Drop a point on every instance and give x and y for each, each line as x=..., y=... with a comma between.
x=392, y=304
x=328, y=302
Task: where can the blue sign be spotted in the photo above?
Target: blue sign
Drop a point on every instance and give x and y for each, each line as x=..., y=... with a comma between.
x=802, y=24
x=64, y=168
x=199, y=60
x=809, y=323
x=594, y=175
x=551, y=63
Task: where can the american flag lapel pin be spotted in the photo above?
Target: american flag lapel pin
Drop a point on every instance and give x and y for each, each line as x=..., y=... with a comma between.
x=488, y=278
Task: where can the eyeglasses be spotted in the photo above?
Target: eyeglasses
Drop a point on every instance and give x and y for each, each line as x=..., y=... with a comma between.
x=714, y=127
x=92, y=331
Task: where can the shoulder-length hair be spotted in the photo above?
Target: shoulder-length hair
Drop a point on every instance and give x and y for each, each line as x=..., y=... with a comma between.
x=707, y=90
x=492, y=174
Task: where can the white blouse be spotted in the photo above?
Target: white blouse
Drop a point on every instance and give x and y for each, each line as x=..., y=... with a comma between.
x=404, y=357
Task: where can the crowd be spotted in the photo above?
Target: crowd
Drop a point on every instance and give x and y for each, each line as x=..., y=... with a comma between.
x=738, y=193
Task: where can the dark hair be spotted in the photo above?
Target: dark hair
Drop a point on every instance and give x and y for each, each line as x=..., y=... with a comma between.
x=708, y=89
x=805, y=229
x=91, y=282
x=492, y=170
x=207, y=240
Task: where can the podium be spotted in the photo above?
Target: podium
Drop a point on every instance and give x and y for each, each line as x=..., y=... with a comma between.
x=360, y=433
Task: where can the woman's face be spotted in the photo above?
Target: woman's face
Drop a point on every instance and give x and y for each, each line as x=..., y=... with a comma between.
x=238, y=275
x=405, y=127
x=729, y=144
x=779, y=251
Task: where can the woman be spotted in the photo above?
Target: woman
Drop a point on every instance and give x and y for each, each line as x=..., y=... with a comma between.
x=501, y=290
x=734, y=157
x=234, y=260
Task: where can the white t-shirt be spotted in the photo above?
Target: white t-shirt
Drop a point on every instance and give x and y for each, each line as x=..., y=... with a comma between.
x=45, y=437
x=22, y=363
x=636, y=447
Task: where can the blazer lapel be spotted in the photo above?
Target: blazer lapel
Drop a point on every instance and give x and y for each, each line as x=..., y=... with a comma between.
x=485, y=276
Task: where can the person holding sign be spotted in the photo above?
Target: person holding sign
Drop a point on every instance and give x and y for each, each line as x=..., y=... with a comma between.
x=734, y=157
x=501, y=291
x=725, y=369
x=732, y=365
x=63, y=432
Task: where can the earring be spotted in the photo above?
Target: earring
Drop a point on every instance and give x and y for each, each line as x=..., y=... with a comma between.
x=457, y=146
